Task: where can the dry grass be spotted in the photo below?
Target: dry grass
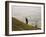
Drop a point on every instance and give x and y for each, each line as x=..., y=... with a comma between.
x=17, y=25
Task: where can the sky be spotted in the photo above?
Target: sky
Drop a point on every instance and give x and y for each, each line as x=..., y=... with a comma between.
x=31, y=12
x=26, y=11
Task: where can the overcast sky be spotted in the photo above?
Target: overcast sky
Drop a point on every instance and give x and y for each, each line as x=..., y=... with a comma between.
x=26, y=11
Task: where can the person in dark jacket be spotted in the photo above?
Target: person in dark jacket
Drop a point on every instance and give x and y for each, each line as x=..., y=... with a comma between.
x=26, y=20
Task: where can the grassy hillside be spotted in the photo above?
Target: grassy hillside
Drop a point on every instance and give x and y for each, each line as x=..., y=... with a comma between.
x=17, y=25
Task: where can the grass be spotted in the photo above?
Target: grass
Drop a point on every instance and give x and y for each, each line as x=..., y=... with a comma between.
x=18, y=25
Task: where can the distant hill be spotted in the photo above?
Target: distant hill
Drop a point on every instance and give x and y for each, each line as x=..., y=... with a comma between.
x=18, y=25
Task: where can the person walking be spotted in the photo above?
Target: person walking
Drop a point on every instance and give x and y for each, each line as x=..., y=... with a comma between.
x=26, y=20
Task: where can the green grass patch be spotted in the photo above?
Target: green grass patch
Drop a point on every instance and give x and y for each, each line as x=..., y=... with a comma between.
x=18, y=25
